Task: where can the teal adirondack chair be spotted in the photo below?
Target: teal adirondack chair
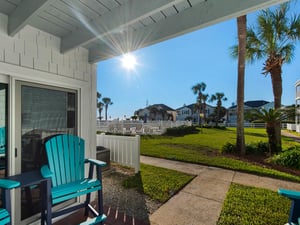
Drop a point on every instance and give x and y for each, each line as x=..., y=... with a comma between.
x=65, y=154
x=5, y=212
x=294, y=218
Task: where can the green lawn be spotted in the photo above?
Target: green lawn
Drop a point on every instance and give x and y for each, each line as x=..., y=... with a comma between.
x=253, y=206
x=243, y=205
x=204, y=148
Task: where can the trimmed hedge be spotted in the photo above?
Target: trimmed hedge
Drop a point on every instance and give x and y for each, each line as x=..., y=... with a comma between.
x=181, y=131
x=254, y=148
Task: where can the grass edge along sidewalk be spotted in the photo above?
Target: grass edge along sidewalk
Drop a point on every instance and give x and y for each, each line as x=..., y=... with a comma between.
x=205, y=147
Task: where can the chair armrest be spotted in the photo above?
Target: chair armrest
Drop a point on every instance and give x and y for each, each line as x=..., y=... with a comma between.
x=45, y=171
x=289, y=193
x=95, y=162
x=8, y=184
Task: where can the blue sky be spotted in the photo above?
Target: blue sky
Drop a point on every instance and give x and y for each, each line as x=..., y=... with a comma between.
x=167, y=71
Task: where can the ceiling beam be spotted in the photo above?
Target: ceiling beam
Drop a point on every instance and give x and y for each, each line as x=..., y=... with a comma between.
x=202, y=15
x=115, y=20
x=24, y=12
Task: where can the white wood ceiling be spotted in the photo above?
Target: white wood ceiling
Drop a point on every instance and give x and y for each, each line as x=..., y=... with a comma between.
x=112, y=27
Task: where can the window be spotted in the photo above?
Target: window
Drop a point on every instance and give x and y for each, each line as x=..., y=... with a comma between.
x=44, y=112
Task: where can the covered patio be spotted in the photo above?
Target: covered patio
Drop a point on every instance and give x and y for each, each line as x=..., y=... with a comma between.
x=49, y=51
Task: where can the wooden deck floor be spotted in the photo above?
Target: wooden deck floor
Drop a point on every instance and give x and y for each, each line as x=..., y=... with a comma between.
x=113, y=218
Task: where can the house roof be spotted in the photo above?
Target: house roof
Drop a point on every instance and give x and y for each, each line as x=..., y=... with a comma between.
x=255, y=104
x=192, y=106
x=161, y=106
x=108, y=28
x=252, y=104
x=157, y=106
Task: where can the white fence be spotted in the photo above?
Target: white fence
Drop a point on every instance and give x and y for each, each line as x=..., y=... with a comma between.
x=138, y=127
x=254, y=125
x=124, y=150
x=291, y=126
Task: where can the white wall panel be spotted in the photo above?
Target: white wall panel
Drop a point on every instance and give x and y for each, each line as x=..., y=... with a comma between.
x=34, y=56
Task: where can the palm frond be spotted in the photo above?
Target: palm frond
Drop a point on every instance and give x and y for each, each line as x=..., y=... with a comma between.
x=265, y=29
x=233, y=51
x=294, y=28
x=287, y=52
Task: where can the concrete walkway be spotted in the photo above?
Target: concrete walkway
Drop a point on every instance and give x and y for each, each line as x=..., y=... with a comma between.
x=200, y=202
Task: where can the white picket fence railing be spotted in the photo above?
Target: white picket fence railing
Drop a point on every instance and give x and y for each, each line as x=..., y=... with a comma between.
x=124, y=150
x=138, y=127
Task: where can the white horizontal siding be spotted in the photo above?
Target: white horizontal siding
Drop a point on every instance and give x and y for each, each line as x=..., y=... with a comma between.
x=33, y=48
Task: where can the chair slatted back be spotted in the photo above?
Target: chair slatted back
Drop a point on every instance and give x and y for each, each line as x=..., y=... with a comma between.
x=65, y=158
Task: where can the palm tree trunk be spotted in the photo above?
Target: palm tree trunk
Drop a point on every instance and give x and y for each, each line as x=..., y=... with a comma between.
x=242, y=31
x=218, y=112
x=277, y=92
x=106, y=106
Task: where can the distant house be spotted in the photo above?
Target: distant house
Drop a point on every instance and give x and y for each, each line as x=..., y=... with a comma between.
x=297, y=104
x=248, y=106
x=190, y=112
x=156, y=112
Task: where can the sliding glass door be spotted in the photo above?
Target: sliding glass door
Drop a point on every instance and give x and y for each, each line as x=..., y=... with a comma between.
x=41, y=112
x=3, y=129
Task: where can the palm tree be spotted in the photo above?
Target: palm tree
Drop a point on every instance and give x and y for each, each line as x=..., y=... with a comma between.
x=219, y=97
x=273, y=39
x=270, y=118
x=242, y=33
x=204, y=100
x=106, y=102
x=198, y=90
x=99, y=104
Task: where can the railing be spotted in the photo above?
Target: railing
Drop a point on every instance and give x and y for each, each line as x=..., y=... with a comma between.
x=138, y=127
x=291, y=126
x=255, y=125
x=298, y=128
x=124, y=150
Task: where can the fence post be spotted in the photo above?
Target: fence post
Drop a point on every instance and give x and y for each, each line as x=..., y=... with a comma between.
x=100, y=139
x=137, y=160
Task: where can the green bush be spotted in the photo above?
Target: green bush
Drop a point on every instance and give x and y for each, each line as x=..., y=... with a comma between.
x=229, y=148
x=181, y=131
x=257, y=148
x=254, y=148
x=289, y=158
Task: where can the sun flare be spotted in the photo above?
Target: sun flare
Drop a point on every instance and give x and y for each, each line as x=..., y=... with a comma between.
x=129, y=62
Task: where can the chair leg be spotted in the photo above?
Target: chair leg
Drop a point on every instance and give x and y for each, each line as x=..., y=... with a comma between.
x=100, y=193
x=295, y=211
x=87, y=202
x=46, y=202
x=7, y=204
x=100, y=203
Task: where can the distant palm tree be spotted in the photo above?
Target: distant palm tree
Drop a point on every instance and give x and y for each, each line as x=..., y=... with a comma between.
x=242, y=33
x=99, y=104
x=270, y=118
x=219, y=97
x=198, y=90
x=273, y=39
x=106, y=102
x=204, y=100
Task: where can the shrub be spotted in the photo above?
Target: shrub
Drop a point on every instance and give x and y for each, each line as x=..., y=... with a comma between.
x=229, y=148
x=257, y=148
x=289, y=158
x=254, y=148
x=181, y=131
